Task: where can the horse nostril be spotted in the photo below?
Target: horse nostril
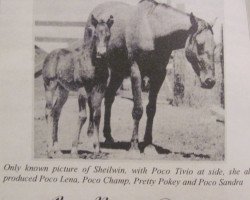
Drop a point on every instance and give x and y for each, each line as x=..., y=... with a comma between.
x=98, y=55
x=209, y=82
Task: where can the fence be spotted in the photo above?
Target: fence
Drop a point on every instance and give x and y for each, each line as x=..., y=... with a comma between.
x=50, y=35
x=181, y=87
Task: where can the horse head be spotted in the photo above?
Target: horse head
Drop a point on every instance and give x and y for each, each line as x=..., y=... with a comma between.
x=199, y=50
x=99, y=34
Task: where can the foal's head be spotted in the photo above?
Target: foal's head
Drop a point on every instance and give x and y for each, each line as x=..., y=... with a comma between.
x=200, y=51
x=99, y=34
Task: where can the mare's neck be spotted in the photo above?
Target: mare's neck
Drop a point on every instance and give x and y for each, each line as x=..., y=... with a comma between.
x=168, y=23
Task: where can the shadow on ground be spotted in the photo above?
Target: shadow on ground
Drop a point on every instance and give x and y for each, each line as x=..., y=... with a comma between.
x=123, y=145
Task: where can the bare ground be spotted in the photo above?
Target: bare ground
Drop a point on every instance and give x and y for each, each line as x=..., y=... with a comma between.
x=179, y=133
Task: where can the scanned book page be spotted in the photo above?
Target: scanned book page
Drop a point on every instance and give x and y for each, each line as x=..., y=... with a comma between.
x=124, y=100
x=248, y=12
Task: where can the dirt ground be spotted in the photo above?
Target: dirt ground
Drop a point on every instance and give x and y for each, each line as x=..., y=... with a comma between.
x=179, y=133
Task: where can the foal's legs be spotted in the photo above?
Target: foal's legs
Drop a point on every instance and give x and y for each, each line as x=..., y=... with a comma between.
x=95, y=101
x=138, y=108
x=156, y=81
x=50, y=88
x=81, y=120
x=52, y=116
x=114, y=84
x=91, y=122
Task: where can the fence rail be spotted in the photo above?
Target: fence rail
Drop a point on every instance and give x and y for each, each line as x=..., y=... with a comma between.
x=56, y=39
x=60, y=23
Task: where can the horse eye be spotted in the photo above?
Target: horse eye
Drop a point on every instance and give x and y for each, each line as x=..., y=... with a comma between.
x=200, y=49
x=89, y=30
x=108, y=37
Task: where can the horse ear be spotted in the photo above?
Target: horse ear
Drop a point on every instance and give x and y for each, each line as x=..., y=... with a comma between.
x=58, y=198
x=194, y=23
x=193, y=19
x=94, y=21
x=110, y=21
x=213, y=22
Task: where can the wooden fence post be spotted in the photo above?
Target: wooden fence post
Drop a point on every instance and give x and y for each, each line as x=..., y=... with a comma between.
x=222, y=93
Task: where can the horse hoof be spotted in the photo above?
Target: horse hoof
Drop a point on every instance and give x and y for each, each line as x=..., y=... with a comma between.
x=109, y=140
x=75, y=155
x=50, y=154
x=96, y=148
x=54, y=154
x=97, y=151
x=134, y=145
x=58, y=154
x=150, y=151
x=134, y=154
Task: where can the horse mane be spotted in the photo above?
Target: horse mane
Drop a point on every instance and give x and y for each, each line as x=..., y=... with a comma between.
x=152, y=1
x=205, y=24
x=164, y=5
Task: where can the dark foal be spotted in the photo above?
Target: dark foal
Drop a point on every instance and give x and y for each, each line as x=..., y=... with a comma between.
x=85, y=71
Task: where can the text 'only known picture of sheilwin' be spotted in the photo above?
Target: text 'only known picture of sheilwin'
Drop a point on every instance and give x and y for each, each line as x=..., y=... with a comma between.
x=130, y=79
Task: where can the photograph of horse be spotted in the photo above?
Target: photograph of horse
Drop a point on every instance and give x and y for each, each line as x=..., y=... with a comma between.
x=153, y=45
x=66, y=72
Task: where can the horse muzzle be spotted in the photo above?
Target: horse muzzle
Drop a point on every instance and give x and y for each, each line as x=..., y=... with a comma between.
x=99, y=55
x=101, y=52
x=208, y=83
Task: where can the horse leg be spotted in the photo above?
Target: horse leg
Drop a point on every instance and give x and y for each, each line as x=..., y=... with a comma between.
x=91, y=122
x=81, y=120
x=56, y=111
x=138, y=108
x=156, y=81
x=96, y=97
x=114, y=84
x=50, y=88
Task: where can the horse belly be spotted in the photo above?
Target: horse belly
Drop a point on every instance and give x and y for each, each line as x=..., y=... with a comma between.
x=150, y=62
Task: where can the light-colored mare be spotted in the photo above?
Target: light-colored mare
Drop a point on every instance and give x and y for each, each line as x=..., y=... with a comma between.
x=142, y=39
x=83, y=70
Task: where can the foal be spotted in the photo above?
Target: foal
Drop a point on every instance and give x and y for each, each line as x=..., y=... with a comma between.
x=83, y=70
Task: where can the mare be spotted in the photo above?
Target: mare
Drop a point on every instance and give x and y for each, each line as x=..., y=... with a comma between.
x=142, y=39
x=81, y=70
